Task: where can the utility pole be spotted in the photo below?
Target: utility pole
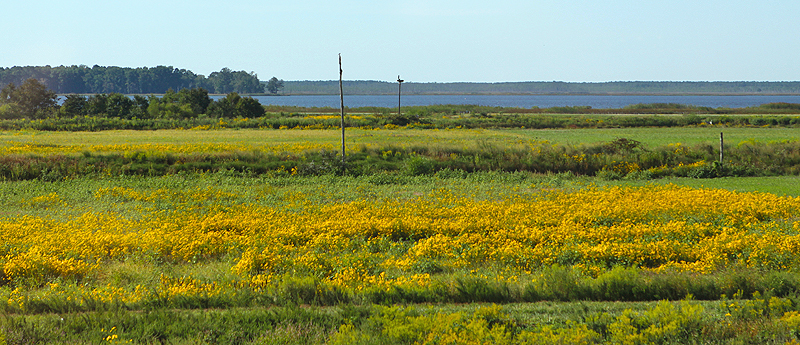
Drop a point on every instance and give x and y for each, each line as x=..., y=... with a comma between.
x=399, y=83
x=341, y=105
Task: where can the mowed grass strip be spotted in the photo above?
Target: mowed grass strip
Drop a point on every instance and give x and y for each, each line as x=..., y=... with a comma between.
x=250, y=138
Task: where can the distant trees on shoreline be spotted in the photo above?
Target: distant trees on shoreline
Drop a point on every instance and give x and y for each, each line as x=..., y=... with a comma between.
x=32, y=100
x=157, y=80
x=125, y=80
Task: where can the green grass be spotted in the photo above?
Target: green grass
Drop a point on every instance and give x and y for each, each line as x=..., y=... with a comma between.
x=170, y=136
x=316, y=325
x=655, y=152
x=651, y=137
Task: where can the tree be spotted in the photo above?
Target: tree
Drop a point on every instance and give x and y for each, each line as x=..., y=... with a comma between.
x=246, y=82
x=274, y=85
x=97, y=104
x=140, y=105
x=224, y=107
x=234, y=105
x=142, y=80
x=119, y=105
x=74, y=105
x=249, y=107
x=197, y=98
x=222, y=80
x=31, y=98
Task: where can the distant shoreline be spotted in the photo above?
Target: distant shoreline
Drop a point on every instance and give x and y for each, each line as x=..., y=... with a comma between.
x=634, y=88
x=468, y=94
x=158, y=80
x=538, y=94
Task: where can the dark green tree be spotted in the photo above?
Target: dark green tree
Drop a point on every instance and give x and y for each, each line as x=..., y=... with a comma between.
x=224, y=107
x=274, y=85
x=31, y=99
x=114, y=80
x=74, y=105
x=249, y=107
x=141, y=103
x=222, y=81
x=197, y=98
x=246, y=82
x=97, y=104
x=227, y=81
x=170, y=106
x=143, y=80
x=119, y=105
x=234, y=105
x=70, y=79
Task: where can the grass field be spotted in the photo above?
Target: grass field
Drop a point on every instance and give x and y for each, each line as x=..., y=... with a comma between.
x=393, y=258
x=245, y=138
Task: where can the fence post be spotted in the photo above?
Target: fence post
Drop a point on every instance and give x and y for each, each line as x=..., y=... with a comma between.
x=721, y=149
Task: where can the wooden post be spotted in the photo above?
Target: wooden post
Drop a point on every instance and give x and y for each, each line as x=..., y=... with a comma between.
x=721, y=148
x=399, y=83
x=341, y=105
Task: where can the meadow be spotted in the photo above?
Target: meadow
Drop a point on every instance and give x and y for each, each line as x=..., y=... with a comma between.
x=258, y=139
x=635, y=153
x=419, y=250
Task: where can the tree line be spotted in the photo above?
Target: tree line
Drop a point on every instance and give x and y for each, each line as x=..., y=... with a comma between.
x=33, y=100
x=143, y=80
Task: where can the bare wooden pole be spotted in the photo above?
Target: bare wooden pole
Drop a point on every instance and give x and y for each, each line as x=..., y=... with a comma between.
x=721, y=148
x=399, y=83
x=341, y=104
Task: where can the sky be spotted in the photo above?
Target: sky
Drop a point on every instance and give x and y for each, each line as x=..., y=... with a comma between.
x=420, y=40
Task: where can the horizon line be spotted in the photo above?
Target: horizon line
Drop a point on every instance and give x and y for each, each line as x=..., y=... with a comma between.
x=551, y=81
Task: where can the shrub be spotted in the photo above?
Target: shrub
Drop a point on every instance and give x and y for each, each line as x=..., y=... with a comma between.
x=418, y=165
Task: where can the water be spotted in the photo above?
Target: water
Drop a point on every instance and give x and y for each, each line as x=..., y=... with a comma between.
x=517, y=101
x=527, y=101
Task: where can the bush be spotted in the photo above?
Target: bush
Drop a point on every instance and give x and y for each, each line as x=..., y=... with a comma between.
x=418, y=165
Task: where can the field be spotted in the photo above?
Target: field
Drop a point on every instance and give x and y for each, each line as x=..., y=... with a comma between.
x=426, y=249
x=610, y=153
x=259, y=139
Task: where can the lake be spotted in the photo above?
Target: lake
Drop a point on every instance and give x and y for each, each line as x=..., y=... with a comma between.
x=520, y=101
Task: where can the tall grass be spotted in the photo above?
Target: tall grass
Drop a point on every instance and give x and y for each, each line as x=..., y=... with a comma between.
x=764, y=316
x=575, y=117
x=609, y=160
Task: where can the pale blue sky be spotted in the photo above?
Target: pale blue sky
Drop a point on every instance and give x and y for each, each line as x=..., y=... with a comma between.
x=422, y=40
